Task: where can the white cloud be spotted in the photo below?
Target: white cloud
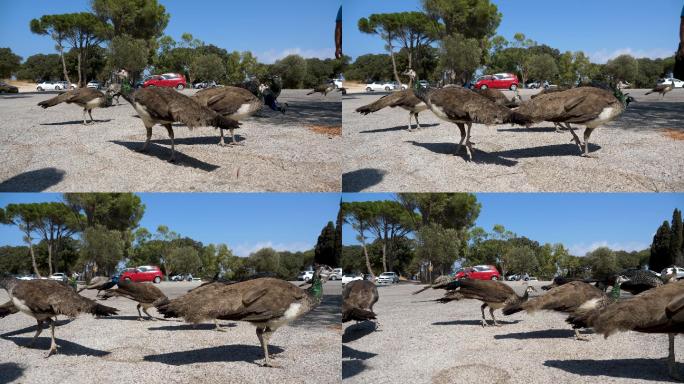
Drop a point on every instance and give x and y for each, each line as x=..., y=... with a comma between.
x=244, y=249
x=582, y=249
x=603, y=55
x=270, y=56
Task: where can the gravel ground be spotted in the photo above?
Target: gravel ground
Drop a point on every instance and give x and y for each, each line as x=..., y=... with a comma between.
x=124, y=350
x=419, y=341
x=637, y=152
x=50, y=150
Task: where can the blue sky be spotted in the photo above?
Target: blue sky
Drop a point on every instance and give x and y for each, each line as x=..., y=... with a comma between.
x=602, y=29
x=581, y=221
x=244, y=221
x=270, y=29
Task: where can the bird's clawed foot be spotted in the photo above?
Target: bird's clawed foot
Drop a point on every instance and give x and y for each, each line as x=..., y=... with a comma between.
x=581, y=338
x=53, y=350
x=271, y=365
x=236, y=143
x=590, y=155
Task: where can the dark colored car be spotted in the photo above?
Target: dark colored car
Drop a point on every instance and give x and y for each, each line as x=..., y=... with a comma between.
x=479, y=272
x=143, y=273
x=171, y=80
x=6, y=88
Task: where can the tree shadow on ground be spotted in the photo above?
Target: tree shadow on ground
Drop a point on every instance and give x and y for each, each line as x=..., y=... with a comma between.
x=37, y=180
x=474, y=322
x=10, y=372
x=306, y=113
x=644, y=115
x=66, y=348
x=358, y=330
x=357, y=181
x=327, y=313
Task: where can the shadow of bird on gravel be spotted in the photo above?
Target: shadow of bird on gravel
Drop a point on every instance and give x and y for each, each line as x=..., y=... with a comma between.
x=638, y=369
x=10, y=372
x=358, y=330
x=545, y=151
x=75, y=122
x=397, y=128
x=120, y=318
x=358, y=180
x=545, y=334
x=472, y=322
x=32, y=329
x=353, y=365
x=37, y=180
x=527, y=130
x=162, y=153
x=479, y=156
x=192, y=327
x=224, y=353
x=66, y=348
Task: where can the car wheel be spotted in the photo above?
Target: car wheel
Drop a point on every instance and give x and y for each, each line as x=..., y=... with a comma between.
x=483, y=87
x=495, y=278
x=387, y=89
x=151, y=86
x=368, y=89
x=180, y=87
x=333, y=278
x=40, y=89
x=57, y=88
x=157, y=280
x=127, y=279
x=513, y=87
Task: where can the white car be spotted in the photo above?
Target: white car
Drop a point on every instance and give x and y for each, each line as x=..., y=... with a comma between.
x=27, y=277
x=305, y=275
x=387, y=278
x=49, y=86
x=336, y=274
x=383, y=86
x=338, y=83
x=66, y=85
x=346, y=279
x=678, y=270
x=677, y=83
x=59, y=276
x=94, y=84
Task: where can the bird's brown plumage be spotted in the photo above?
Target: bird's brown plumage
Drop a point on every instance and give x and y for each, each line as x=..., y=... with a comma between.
x=662, y=89
x=8, y=309
x=233, y=102
x=323, y=88
x=358, y=298
x=405, y=99
x=87, y=98
x=165, y=106
x=498, y=97
x=145, y=294
x=439, y=283
x=564, y=298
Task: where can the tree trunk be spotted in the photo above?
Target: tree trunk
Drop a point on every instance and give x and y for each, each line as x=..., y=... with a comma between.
x=50, y=258
x=64, y=68
x=33, y=260
x=394, y=62
x=384, y=256
x=80, y=83
x=365, y=253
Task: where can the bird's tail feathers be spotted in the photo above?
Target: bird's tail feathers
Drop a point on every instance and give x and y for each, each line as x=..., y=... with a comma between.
x=54, y=101
x=103, y=310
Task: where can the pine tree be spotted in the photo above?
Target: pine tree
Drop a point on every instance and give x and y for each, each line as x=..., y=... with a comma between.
x=676, y=238
x=660, y=248
x=324, y=253
x=338, y=237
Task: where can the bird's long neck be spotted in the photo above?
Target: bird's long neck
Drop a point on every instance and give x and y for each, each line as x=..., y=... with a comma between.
x=316, y=289
x=615, y=292
x=525, y=296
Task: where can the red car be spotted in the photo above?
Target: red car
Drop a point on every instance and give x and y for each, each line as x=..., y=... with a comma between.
x=479, y=272
x=143, y=273
x=498, y=80
x=173, y=80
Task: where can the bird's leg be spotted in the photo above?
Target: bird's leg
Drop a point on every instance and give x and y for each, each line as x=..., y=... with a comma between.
x=148, y=128
x=38, y=331
x=416, y=117
x=232, y=138
x=84, y=117
x=169, y=129
x=580, y=337
x=671, y=363
x=558, y=128
x=53, y=344
x=264, y=334
x=491, y=312
x=218, y=328
x=587, y=133
x=575, y=138
x=221, y=143
x=90, y=113
x=409, y=124
x=484, y=322
x=140, y=318
x=461, y=128
x=149, y=317
x=468, y=143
